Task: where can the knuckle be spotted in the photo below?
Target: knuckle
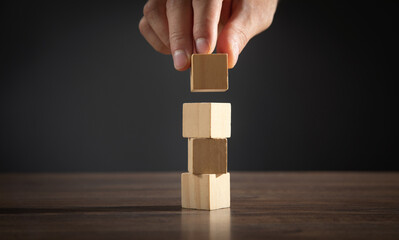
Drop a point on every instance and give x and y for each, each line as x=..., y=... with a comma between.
x=203, y=28
x=268, y=22
x=195, y=2
x=160, y=48
x=175, y=5
x=241, y=36
x=164, y=50
x=142, y=26
x=170, y=4
x=177, y=37
x=151, y=7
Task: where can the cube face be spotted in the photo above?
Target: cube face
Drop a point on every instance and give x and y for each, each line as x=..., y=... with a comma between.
x=206, y=120
x=207, y=156
x=205, y=191
x=220, y=120
x=209, y=73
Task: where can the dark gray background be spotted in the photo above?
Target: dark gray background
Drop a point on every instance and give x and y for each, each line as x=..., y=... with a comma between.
x=81, y=90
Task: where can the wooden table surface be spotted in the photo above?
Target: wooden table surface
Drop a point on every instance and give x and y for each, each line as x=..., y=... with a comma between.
x=264, y=205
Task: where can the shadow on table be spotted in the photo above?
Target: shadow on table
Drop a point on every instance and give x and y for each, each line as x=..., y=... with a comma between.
x=172, y=208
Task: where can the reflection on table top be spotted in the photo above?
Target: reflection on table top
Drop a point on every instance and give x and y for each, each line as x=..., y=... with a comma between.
x=283, y=205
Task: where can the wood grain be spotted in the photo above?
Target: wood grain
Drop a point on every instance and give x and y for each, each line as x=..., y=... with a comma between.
x=209, y=73
x=207, y=155
x=205, y=191
x=272, y=205
x=206, y=120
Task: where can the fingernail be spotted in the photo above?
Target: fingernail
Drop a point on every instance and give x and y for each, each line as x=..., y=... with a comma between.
x=202, y=45
x=179, y=59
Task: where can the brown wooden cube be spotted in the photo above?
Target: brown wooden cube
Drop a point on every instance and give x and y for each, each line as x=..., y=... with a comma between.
x=209, y=72
x=207, y=155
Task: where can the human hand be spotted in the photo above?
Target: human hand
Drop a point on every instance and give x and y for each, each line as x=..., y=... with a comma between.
x=183, y=27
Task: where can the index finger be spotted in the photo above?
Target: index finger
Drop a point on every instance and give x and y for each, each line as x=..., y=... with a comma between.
x=206, y=20
x=179, y=13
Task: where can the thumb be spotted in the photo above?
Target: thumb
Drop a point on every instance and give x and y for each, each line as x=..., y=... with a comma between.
x=247, y=20
x=232, y=41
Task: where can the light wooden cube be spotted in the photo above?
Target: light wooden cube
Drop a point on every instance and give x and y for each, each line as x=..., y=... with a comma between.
x=209, y=73
x=207, y=155
x=206, y=120
x=205, y=191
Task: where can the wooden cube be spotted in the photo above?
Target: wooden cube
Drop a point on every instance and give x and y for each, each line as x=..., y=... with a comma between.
x=209, y=73
x=205, y=191
x=206, y=120
x=207, y=155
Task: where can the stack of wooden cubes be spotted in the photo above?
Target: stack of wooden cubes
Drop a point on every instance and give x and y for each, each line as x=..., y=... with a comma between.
x=207, y=126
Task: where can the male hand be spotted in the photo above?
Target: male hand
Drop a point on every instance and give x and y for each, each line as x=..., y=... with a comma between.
x=183, y=27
